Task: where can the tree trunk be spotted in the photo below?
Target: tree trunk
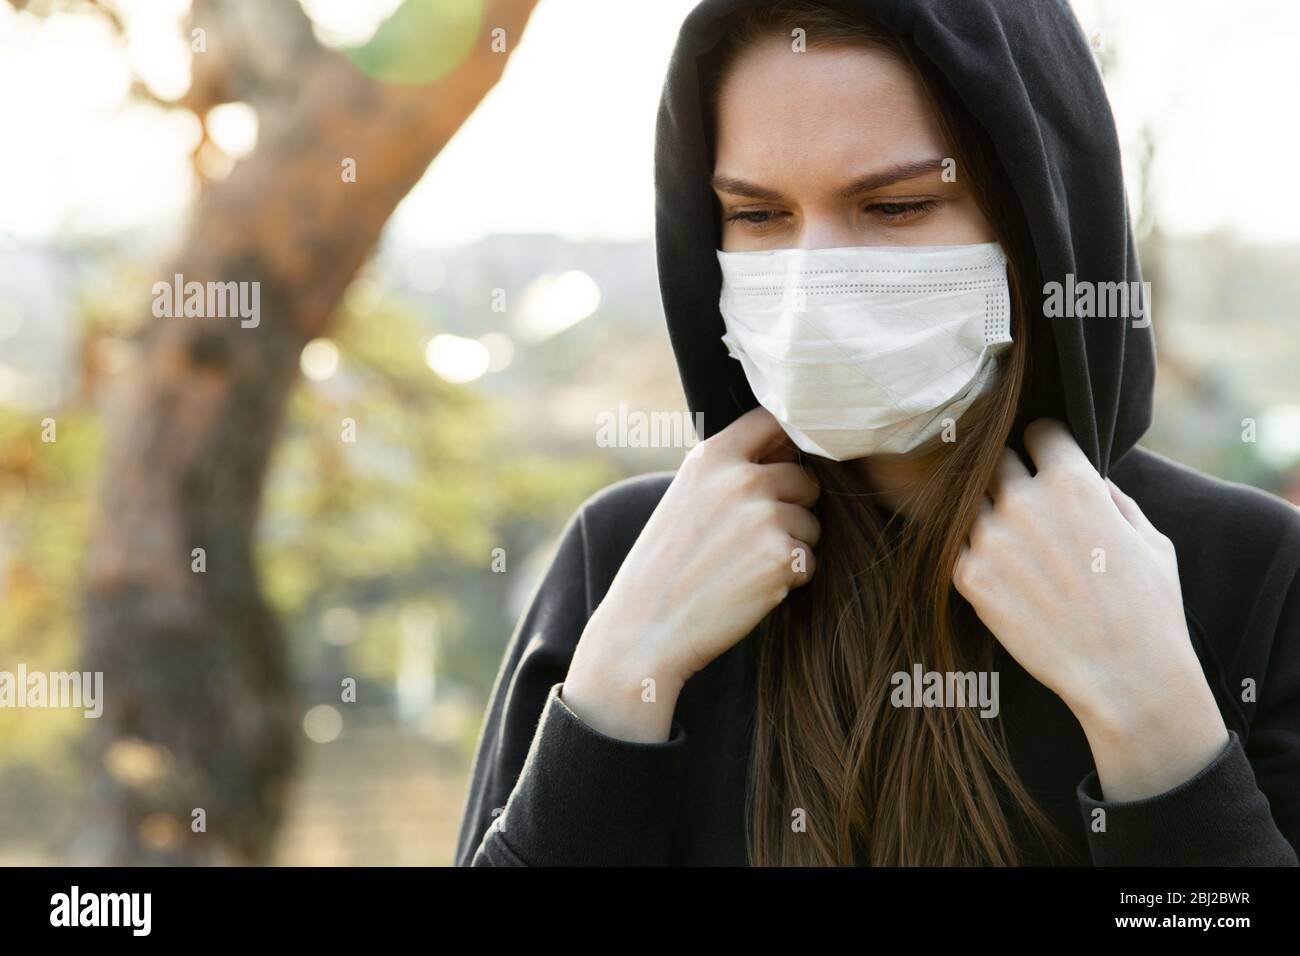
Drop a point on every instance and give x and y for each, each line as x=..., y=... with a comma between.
x=199, y=712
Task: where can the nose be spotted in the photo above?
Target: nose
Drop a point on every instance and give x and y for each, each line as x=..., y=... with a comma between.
x=824, y=230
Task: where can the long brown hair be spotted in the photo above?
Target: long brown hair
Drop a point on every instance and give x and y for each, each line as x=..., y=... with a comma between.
x=879, y=784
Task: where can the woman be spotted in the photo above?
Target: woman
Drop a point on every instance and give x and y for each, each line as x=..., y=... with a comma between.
x=901, y=612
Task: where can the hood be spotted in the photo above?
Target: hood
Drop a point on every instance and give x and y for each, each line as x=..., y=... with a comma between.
x=1056, y=138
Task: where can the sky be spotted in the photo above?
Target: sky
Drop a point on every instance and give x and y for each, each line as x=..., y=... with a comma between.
x=564, y=143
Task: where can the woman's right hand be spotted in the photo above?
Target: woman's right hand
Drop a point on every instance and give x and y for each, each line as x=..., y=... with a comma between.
x=731, y=536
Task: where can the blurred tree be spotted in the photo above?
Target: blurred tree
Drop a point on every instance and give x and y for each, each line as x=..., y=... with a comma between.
x=199, y=710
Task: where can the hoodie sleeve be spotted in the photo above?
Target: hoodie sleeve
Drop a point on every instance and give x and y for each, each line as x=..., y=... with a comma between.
x=547, y=789
x=1243, y=809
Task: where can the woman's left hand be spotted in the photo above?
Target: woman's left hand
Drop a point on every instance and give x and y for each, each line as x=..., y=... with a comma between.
x=1083, y=591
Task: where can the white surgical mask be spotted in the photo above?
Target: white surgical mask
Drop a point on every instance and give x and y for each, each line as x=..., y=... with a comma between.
x=866, y=350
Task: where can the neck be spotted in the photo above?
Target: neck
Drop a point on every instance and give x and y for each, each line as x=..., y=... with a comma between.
x=895, y=480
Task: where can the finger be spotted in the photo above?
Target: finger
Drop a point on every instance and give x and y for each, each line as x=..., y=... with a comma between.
x=1051, y=445
x=1010, y=471
x=782, y=449
x=958, y=570
x=799, y=523
x=753, y=434
x=1134, y=515
x=793, y=483
x=985, y=513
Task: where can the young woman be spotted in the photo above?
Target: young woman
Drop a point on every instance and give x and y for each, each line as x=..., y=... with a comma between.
x=918, y=597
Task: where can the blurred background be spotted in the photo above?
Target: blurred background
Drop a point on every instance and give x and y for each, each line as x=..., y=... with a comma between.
x=449, y=207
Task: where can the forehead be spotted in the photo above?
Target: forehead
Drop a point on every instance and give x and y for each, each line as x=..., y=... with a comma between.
x=786, y=117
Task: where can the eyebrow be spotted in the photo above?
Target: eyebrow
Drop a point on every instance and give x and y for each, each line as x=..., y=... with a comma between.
x=884, y=177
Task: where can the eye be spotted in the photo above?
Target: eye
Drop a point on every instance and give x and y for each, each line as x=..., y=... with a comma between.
x=755, y=217
x=902, y=210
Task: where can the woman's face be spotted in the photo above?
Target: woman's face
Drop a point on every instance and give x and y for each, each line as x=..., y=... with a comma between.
x=836, y=146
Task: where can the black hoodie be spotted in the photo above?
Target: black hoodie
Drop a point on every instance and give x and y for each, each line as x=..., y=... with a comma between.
x=567, y=794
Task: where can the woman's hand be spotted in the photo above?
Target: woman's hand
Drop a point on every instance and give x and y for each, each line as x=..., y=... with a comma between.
x=1083, y=591
x=730, y=538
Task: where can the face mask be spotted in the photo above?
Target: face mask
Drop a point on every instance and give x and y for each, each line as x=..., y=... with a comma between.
x=867, y=350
